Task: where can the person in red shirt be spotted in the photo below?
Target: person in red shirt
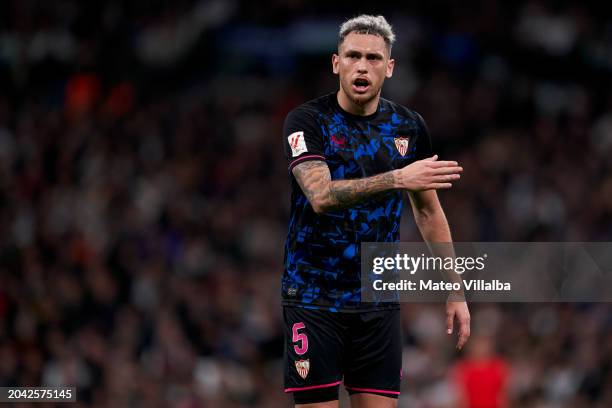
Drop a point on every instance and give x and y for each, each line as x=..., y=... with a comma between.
x=481, y=378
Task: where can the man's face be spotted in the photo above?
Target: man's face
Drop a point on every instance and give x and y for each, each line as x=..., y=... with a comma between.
x=362, y=63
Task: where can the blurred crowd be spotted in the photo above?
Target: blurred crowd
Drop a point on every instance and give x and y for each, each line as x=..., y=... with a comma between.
x=144, y=194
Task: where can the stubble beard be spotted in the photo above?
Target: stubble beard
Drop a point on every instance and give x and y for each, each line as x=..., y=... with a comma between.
x=360, y=99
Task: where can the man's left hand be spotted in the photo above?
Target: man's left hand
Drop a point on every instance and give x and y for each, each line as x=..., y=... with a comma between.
x=460, y=311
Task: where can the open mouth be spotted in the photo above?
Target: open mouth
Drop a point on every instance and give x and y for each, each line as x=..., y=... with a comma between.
x=361, y=85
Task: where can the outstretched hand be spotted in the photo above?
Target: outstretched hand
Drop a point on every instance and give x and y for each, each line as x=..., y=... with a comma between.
x=428, y=174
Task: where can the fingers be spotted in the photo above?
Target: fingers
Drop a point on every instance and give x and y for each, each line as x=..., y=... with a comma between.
x=438, y=186
x=460, y=311
x=464, y=332
x=442, y=163
x=448, y=170
x=446, y=175
x=445, y=178
x=432, y=158
x=442, y=181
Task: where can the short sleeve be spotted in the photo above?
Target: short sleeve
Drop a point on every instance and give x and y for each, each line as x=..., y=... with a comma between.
x=423, y=148
x=303, y=139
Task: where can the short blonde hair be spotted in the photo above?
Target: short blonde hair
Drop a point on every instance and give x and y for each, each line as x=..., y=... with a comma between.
x=368, y=24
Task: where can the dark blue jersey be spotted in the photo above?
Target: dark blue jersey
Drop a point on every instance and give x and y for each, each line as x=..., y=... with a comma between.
x=323, y=251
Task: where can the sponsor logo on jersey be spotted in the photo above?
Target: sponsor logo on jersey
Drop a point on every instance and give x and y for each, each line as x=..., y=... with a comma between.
x=297, y=143
x=338, y=140
x=302, y=367
x=402, y=145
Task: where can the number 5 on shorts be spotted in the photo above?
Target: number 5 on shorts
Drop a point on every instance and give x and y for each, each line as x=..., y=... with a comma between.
x=300, y=338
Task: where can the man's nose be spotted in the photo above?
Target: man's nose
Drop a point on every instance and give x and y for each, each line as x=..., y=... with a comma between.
x=362, y=66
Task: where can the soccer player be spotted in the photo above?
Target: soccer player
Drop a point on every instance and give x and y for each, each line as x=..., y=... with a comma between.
x=352, y=155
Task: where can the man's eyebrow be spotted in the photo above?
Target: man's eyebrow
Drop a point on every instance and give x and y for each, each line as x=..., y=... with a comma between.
x=368, y=54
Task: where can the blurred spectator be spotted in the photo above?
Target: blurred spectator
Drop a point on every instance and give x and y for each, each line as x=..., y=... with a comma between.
x=482, y=377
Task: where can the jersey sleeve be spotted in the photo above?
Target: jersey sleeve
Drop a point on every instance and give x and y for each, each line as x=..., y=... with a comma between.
x=302, y=137
x=423, y=148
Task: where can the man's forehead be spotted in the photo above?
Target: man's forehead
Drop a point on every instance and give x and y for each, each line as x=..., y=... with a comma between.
x=364, y=43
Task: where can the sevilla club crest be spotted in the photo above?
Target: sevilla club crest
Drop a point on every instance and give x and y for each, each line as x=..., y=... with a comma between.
x=302, y=367
x=402, y=145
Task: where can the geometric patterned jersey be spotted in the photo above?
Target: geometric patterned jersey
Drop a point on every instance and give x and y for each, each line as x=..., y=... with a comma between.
x=322, y=251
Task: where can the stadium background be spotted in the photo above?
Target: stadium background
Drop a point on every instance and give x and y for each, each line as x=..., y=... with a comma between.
x=144, y=195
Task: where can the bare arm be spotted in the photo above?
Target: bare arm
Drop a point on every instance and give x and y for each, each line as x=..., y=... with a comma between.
x=429, y=216
x=434, y=228
x=325, y=194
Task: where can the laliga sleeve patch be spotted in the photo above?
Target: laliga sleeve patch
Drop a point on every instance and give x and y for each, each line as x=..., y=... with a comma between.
x=297, y=143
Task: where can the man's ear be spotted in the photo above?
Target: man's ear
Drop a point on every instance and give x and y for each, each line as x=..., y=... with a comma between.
x=390, y=66
x=335, y=62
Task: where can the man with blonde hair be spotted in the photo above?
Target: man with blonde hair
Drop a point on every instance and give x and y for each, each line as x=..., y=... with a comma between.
x=352, y=155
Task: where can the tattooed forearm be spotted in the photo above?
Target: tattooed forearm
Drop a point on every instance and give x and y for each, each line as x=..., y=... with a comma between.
x=325, y=195
x=349, y=192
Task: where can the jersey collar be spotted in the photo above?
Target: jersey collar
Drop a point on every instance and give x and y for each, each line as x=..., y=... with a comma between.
x=334, y=100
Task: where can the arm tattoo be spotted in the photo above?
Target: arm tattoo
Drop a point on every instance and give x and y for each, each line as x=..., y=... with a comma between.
x=315, y=180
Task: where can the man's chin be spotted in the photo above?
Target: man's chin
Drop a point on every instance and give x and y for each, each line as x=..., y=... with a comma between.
x=362, y=99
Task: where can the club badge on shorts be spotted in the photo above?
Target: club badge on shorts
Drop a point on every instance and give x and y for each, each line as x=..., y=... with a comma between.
x=402, y=145
x=302, y=367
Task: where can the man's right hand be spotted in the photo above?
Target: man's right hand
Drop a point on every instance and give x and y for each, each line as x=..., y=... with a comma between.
x=427, y=174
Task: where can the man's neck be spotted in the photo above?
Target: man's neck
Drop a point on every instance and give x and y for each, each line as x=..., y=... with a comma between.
x=351, y=107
